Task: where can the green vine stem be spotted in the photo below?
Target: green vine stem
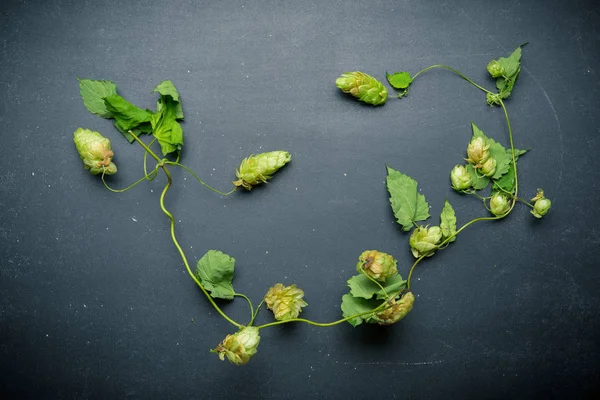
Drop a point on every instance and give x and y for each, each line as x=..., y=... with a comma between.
x=200, y=180
x=173, y=237
x=142, y=179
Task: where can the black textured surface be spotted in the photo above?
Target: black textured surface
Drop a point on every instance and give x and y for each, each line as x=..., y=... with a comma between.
x=95, y=300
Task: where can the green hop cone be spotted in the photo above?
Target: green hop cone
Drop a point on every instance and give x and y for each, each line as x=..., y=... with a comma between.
x=95, y=151
x=424, y=241
x=362, y=86
x=377, y=265
x=495, y=69
x=239, y=347
x=478, y=152
x=461, y=178
x=493, y=99
x=541, y=205
x=488, y=168
x=398, y=310
x=259, y=168
x=499, y=203
x=285, y=301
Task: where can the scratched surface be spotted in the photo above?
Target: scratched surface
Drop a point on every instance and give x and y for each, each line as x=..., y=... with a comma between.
x=95, y=300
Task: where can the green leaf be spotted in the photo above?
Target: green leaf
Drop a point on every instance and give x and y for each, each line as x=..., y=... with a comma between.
x=164, y=123
x=480, y=182
x=145, y=127
x=512, y=68
x=361, y=286
x=399, y=80
x=126, y=114
x=507, y=181
x=93, y=94
x=168, y=93
x=511, y=64
x=353, y=305
x=215, y=271
x=448, y=222
x=408, y=205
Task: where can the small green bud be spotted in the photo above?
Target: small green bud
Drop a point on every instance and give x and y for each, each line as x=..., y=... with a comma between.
x=478, y=151
x=259, y=168
x=423, y=241
x=493, y=99
x=95, y=151
x=461, y=178
x=489, y=167
x=398, y=310
x=541, y=205
x=539, y=195
x=499, y=203
x=377, y=265
x=285, y=301
x=239, y=347
x=495, y=69
x=362, y=86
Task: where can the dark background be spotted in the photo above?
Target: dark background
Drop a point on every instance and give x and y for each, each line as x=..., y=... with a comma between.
x=95, y=302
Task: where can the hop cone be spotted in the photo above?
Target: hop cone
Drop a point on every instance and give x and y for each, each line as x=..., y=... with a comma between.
x=285, y=301
x=362, y=86
x=424, y=241
x=239, y=347
x=377, y=265
x=258, y=168
x=397, y=311
x=95, y=151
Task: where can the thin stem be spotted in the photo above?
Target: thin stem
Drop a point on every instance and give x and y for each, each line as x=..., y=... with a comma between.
x=154, y=172
x=456, y=72
x=250, y=304
x=524, y=201
x=411, y=271
x=514, y=158
x=146, y=156
x=137, y=139
x=256, y=312
x=200, y=180
x=176, y=243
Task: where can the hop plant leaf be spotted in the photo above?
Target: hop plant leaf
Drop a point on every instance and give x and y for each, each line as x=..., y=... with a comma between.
x=362, y=86
x=165, y=127
x=127, y=116
x=408, y=205
x=93, y=94
x=355, y=305
x=259, y=168
x=361, y=286
x=215, y=271
x=448, y=222
x=506, y=71
x=285, y=301
x=399, y=80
